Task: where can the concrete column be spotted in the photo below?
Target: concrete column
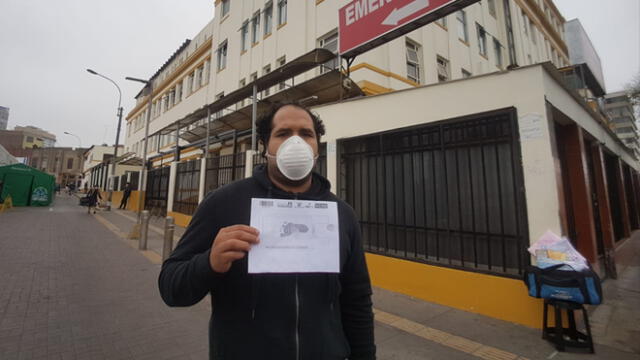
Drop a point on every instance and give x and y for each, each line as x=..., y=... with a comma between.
x=604, y=204
x=203, y=173
x=332, y=162
x=622, y=194
x=580, y=192
x=248, y=163
x=172, y=186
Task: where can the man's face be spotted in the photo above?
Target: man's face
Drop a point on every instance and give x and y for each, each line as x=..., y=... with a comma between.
x=288, y=121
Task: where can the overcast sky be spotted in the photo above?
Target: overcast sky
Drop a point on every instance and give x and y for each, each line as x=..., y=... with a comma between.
x=45, y=47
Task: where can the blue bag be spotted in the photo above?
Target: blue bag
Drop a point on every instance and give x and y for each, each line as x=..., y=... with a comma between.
x=582, y=287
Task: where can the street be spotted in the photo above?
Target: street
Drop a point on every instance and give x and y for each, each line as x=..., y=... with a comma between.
x=72, y=287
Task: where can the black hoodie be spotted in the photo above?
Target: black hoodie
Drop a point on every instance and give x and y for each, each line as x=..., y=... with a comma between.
x=273, y=316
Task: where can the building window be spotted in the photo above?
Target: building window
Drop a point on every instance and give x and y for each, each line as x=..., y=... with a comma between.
x=525, y=22
x=70, y=163
x=207, y=72
x=255, y=28
x=268, y=18
x=413, y=62
x=497, y=48
x=482, y=40
x=329, y=42
x=280, y=63
x=178, y=92
x=463, y=34
x=218, y=114
x=199, y=79
x=189, y=85
x=244, y=36
x=465, y=74
x=265, y=71
x=442, y=21
x=222, y=55
x=240, y=103
x=443, y=69
x=30, y=139
x=282, y=12
x=226, y=6
x=492, y=7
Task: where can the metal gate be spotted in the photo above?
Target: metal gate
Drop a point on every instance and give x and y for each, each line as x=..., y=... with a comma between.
x=224, y=169
x=449, y=193
x=187, y=187
x=157, y=191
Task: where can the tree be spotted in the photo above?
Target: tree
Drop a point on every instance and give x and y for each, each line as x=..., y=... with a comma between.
x=633, y=91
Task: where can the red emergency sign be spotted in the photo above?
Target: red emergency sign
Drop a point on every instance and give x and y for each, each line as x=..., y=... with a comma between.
x=362, y=21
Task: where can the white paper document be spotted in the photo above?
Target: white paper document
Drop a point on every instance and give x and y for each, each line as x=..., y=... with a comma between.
x=296, y=236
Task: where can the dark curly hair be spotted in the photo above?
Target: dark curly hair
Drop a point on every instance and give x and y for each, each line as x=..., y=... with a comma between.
x=264, y=124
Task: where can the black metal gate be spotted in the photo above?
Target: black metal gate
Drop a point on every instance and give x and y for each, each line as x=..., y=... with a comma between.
x=157, y=191
x=449, y=193
x=187, y=187
x=224, y=169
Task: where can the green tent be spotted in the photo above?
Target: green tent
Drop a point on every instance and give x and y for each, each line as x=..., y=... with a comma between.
x=26, y=185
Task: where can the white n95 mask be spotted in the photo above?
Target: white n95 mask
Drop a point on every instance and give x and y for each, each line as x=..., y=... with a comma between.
x=295, y=158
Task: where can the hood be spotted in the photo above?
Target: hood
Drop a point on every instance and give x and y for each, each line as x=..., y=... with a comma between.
x=320, y=187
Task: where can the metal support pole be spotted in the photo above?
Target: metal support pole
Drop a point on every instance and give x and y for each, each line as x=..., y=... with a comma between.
x=254, y=114
x=143, y=181
x=169, y=226
x=144, y=230
x=206, y=147
x=115, y=156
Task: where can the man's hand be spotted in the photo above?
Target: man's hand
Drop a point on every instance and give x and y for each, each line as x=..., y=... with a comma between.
x=231, y=243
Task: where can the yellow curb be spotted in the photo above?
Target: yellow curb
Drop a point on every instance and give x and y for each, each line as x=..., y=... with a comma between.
x=150, y=255
x=444, y=338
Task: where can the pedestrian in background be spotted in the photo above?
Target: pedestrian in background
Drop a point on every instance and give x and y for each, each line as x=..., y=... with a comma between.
x=125, y=196
x=94, y=195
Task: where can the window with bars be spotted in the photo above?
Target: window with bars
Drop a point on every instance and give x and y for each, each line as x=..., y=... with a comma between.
x=443, y=69
x=413, y=61
x=244, y=36
x=447, y=193
x=255, y=28
x=329, y=42
x=461, y=18
x=187, y=187
x=497, y=48
x=482, y=40
x=226, y=6
x=222, y=55
x=268, y=18
x=282, y=12
x=281, y=61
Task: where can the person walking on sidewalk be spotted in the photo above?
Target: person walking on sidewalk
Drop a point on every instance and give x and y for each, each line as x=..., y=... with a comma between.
x=125, y=196
x=93, y=196
x=273, y=316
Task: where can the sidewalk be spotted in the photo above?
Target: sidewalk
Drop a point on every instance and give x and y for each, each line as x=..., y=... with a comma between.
x=73, y=287
x=408, y=328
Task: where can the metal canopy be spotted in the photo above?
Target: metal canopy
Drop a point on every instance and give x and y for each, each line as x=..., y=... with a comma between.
x=328, y=87
x=129, y=158
x=287, y=71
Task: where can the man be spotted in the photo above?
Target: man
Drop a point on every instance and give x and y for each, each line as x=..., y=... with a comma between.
x=125, y=196
x=273, y=316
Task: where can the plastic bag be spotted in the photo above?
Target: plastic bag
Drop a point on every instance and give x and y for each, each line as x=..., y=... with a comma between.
x=552, y=249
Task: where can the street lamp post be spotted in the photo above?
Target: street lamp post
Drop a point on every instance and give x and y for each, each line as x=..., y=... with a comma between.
x=115, y=148
x=75, y=136
x=143, y=181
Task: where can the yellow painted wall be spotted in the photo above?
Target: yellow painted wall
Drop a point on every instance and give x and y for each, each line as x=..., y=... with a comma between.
x=494, y=296
x=180, y=219
x=132, y=204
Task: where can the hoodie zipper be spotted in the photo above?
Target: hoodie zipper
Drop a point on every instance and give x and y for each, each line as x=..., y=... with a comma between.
x=297, y=322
